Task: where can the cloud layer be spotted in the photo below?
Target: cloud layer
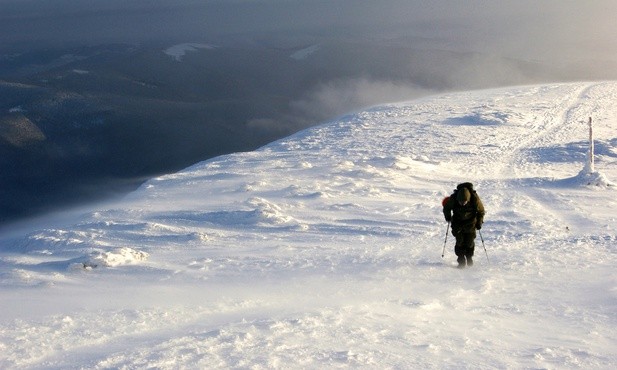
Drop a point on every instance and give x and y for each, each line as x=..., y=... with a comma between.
x=549, y=29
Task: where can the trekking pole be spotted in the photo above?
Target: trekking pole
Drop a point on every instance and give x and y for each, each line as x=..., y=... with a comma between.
x=481, y=238
x=445, y=241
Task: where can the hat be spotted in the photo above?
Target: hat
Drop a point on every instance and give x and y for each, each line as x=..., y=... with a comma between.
x=463, y=196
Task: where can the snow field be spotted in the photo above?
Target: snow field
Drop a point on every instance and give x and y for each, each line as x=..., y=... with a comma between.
x=323, y=250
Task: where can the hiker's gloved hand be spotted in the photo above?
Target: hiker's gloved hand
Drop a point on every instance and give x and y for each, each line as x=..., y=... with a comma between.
x=448, y=218
x=478, y=226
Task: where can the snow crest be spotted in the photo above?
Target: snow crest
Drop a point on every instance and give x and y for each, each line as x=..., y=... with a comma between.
x=114, y=258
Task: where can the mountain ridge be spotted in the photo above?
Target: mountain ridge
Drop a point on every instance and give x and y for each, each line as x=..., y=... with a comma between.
x=323, y=249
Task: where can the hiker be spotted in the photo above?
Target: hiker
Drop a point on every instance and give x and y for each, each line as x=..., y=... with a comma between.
x=465, y=211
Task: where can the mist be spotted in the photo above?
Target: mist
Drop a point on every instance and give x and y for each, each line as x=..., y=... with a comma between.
x=546, y=30
x=90, y=104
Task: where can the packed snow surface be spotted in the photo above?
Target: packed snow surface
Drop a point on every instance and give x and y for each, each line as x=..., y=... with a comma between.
x=324, y=249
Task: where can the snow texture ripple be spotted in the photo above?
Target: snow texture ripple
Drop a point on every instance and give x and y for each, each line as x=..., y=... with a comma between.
x=323, y=250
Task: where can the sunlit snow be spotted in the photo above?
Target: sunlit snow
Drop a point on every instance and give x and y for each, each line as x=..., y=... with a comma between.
x=323, y=250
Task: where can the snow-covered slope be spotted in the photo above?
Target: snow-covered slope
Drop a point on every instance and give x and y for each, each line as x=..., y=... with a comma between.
x=323, y=250
x=305, y=53
x=177, y=52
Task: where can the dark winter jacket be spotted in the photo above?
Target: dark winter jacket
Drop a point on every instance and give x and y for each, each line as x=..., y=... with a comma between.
x=465, y=218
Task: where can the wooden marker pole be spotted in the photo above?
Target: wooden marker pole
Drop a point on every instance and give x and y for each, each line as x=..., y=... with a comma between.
x=590, y=162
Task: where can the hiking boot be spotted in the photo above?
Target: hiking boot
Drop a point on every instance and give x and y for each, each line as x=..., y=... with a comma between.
x=469, y=261
x=461, y=262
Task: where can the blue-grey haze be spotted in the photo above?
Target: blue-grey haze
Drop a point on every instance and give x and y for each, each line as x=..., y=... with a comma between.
x=90, y=104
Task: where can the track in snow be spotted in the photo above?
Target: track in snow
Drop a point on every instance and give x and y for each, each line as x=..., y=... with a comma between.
x=322, y=250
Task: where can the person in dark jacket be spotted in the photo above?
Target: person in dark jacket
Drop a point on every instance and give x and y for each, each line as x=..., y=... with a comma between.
x=465, y=211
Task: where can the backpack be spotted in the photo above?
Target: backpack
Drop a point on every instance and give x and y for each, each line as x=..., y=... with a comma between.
x=444, y=201
x=460, y=186
x=469, y=187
